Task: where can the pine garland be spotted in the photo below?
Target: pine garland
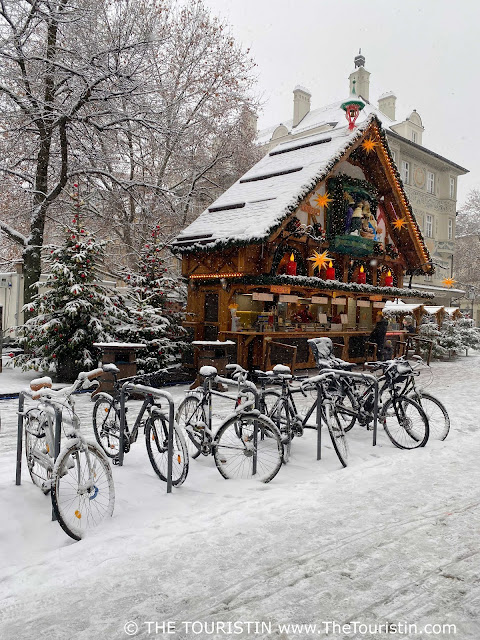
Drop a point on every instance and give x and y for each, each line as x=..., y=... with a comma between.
x=323, y=285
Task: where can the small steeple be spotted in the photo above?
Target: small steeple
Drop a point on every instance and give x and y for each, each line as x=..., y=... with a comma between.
x=361, y=77
x=359, y=60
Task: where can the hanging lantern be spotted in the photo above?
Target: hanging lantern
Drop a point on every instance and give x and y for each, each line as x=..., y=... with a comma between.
x=292, y=266
x=362, y=276
x=352, y=108
x=389, y=279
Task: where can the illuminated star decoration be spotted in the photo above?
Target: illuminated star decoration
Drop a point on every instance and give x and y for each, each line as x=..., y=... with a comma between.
x=400, y=223
x=320, y=260
x=369, y=145
x=448, y=282
x=323, y=201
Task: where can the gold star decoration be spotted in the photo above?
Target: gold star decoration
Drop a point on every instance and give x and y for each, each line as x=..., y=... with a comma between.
x=369, y=145
x=323, y=201
x=400, y=223
x=448, y=282
x=320, y=260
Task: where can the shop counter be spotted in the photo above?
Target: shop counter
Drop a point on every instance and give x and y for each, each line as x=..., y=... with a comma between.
x=251, y=345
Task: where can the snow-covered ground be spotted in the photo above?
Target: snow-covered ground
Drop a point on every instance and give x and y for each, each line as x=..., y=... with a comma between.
x=393, y=538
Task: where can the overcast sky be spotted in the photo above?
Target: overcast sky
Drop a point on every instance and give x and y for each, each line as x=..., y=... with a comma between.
x=426, y=51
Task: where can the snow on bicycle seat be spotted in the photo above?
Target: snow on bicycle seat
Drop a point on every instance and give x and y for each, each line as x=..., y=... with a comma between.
x=41, y=383
x=208, y=372
x=322, y=347
x=281, y=368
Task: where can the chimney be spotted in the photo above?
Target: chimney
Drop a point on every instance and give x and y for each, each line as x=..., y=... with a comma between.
x=301, y=104
x=361, y=77
x=386, y=104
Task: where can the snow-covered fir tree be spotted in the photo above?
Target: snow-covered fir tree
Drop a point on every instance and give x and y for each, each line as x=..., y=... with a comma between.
x=469, y=336
x=430, y=331
x=72, y=309
x=155, y=296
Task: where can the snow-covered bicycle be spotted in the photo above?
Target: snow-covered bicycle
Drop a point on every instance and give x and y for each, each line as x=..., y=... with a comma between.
x=437, y=414
x=246, y=445
x=107, y=413
x=80, y=479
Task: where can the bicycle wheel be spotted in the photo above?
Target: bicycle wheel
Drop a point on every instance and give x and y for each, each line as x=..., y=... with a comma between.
x=82, y=488
x=405, y=423
x=336, y=431
x=156, y=439
x=106, y=426
x=438, y=419
x=268, y=400
x=347, y=409
x=248, y=446
x=191, y=419
x=278, y=412
x=36, y=448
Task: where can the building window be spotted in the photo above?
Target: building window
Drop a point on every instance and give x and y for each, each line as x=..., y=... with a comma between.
x=452, y=188
x=393, y=155
x=428, y=226
x=430, y=182
x=406, y=172
x=428, y=278
x=414, y=136
x=450, y=229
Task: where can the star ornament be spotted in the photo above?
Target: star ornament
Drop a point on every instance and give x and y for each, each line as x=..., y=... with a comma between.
x=323, y=200
x=400, y=223
x=448, y=282
x=369, y=145
x=320, y=260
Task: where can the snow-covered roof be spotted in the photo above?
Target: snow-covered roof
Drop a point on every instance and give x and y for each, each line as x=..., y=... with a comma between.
x=331, y=116
x=431, y=287
x=400, y=307
x=432, y=310
x=451, y=311
x=252, y=207
x=387, y=94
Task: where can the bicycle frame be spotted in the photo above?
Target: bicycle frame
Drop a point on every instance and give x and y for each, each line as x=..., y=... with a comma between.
x=150, y=394
x=206, y=401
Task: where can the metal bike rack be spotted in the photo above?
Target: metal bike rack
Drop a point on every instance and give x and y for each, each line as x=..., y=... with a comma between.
x=143, y=390
x=57, y=436
x=345, y=374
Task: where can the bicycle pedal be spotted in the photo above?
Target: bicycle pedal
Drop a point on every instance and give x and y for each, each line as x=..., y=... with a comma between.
x=116, y=460
x=46, y=486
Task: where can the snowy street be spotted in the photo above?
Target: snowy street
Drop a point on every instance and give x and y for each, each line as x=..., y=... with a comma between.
x=393, y=538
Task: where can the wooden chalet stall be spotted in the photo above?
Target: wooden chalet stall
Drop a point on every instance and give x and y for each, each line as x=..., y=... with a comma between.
x=312, y=241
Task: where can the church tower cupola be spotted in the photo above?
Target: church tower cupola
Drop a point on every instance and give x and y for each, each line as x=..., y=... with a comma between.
x=361, y=77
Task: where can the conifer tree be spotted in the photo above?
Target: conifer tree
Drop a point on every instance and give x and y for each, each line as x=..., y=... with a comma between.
x=469, y=336
x=73, y=310
x=155, y=296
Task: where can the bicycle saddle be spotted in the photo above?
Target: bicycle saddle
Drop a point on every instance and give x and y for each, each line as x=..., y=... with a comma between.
x=281, y=368
x=208, y=372
x=41, y=383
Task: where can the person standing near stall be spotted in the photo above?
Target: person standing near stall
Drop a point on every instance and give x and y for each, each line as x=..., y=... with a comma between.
x=378, y=334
